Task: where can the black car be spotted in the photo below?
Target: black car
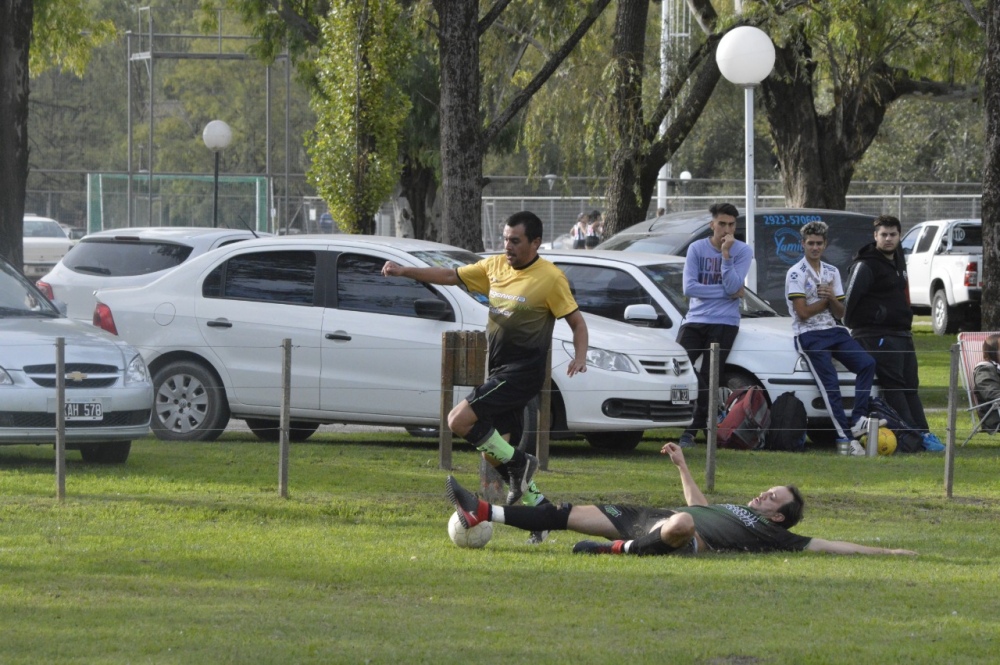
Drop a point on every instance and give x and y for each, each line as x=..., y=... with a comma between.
x=778, y=245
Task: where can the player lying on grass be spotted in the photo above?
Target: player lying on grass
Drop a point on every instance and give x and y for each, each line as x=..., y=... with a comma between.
x=760, y=526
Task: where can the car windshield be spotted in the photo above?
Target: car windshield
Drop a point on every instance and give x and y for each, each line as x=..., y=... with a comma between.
x=18, y=298
x=667, y=243
x=453, y=258
x=967, y=236
x=113, y=257
x=669, y=279
x=43, y=228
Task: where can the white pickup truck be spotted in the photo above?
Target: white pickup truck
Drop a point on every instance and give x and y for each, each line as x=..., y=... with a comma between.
x=944, y=260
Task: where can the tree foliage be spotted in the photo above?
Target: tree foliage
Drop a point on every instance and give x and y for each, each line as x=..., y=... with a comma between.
x=360, y=109
x=34, y=35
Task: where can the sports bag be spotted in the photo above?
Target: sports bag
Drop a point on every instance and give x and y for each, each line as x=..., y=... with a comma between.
x=787, y=430
x=908, y=438
x=746, y=418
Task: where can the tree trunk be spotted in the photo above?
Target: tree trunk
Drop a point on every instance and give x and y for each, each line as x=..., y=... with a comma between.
x=419, y=186
x=627, y=121
x=16, y=18
x=817, y=153
x=461, y=125
x=991, y=172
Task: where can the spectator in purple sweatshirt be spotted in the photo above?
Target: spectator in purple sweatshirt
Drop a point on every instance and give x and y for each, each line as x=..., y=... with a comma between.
x=714, y=272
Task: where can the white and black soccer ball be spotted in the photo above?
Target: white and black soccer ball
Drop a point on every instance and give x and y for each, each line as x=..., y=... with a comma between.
x=475, y=537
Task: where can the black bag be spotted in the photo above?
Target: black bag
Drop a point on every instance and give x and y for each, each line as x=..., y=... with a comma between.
x=908, y=438
x=747, y=417
x=787, y=431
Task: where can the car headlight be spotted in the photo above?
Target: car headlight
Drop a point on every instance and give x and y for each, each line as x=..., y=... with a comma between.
x=5, y=379
x=136, y=371
x=606, y=360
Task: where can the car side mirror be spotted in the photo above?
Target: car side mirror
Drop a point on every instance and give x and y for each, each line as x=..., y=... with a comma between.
x=433, y=309
x=646, y=316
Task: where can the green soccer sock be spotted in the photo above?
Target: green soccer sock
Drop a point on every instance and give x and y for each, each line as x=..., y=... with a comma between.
x=495, y=446
x=533, y=496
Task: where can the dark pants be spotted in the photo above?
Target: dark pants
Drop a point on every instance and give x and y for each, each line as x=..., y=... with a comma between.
x=696, y=338
x=896, y=369
x=822, y=347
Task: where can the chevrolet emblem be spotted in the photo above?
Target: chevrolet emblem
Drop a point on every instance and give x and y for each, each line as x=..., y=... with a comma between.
x=76, y=376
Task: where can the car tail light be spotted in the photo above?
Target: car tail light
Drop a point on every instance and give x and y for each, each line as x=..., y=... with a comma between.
x=45, y=289
x=972, y=274
x=103, y=318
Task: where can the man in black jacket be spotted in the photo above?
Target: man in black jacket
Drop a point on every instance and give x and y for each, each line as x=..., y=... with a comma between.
x=877, y=310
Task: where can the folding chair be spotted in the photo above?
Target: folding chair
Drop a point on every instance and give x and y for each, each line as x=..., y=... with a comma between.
x=971, y=351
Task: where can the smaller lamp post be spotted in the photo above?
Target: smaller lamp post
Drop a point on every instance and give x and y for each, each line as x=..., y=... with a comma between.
x=217, y=136
x=551, y=178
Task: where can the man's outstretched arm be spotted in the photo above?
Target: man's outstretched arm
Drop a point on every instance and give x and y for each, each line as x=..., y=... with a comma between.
x=844, y=547
x=431, y=275
x=692, y=494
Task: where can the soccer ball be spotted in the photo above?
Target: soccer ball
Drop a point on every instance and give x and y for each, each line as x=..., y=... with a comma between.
x=886, y=441
x=475, y=537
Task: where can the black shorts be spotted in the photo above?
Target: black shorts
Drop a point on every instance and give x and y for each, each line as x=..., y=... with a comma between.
x=634, y=522
x=500, y=401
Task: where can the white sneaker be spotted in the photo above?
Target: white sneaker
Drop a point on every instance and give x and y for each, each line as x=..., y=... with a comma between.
x=860, y=428
x=857, y=450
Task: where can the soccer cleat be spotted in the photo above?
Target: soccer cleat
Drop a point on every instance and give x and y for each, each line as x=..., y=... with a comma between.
x=860, y=428
x=537, y=537
x=932, y=444
x=594, y=547
x=519, y=477
x=686, y=440
x=471, y=509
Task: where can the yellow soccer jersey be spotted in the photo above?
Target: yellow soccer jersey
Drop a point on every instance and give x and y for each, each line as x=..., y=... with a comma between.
x=524, y=305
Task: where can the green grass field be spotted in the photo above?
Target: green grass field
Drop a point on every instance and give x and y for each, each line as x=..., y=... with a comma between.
x=187, y=555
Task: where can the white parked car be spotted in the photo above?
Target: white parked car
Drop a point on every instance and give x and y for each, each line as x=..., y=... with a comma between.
x=45, y=243
x=647, y=289
x=127, y=257
x=366, y=348
x=108, y=392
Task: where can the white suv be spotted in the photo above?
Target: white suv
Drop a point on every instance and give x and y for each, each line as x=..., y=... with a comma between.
x=127, y=257
x=366, y=348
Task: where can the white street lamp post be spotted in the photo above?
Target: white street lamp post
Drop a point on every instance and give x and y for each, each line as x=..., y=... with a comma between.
x=217, y=136
x=551, y=179
x=745, y=57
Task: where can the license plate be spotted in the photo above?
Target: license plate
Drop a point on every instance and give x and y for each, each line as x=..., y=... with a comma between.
x=679, y=395
x=84, y=411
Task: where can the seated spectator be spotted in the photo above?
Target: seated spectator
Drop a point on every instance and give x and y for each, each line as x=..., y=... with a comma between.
x=986, y=384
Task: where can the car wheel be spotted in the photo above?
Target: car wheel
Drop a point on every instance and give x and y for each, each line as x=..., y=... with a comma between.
x=944, y=319
x=189, y=404
x=614, y=441
x=424, y=432
x=737, y=379
x=270, y=430
x=822, y=437
x=112, y=452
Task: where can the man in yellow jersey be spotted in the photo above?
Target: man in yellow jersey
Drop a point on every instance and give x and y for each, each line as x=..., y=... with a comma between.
x=526, y=296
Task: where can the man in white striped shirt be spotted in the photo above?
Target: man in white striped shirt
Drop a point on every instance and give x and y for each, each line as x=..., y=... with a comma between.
x=815, y=296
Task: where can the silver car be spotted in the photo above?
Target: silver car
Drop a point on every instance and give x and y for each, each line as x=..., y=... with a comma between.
x=108, y=395
x=127, y=257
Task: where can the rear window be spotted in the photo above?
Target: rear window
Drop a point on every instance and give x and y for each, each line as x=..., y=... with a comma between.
x=124, y=259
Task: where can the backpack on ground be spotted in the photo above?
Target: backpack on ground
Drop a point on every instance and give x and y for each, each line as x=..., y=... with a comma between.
x=787, y=430
x=908, y=438
x=746, y=418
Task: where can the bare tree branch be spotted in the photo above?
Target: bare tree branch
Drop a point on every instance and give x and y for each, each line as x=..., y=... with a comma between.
x=492, y=15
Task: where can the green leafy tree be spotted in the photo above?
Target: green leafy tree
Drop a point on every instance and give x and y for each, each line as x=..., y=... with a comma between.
x=359, y=108
x=34, y=35
x=839, y=66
